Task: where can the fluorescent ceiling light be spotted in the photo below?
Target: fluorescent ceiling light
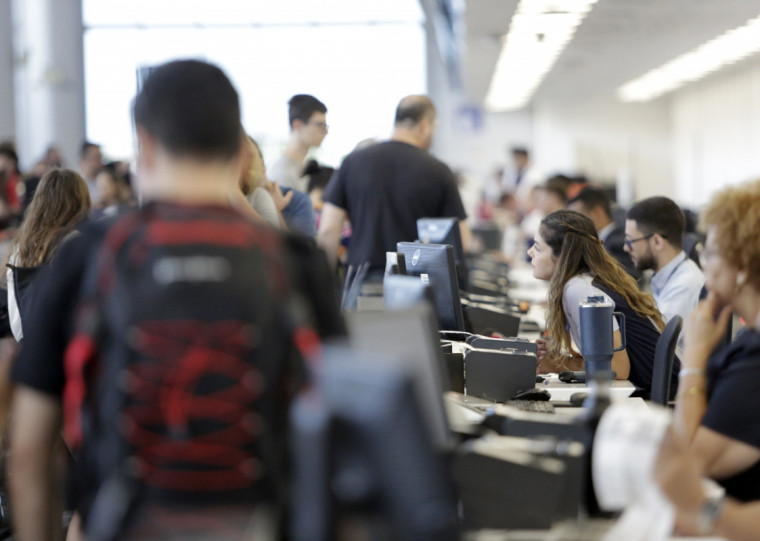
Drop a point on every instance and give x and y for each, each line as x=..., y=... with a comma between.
x=716, y=54
x=538, y=33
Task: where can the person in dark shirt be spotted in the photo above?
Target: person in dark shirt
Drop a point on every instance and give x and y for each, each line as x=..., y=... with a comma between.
x=717, y=409
x=187, y=119
x=385, y=188
x=568, y=254
x=699, y=511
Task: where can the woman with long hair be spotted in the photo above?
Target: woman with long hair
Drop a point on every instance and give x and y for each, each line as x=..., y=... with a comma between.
x=257, y=188
x=569, y=255
x=61, y=201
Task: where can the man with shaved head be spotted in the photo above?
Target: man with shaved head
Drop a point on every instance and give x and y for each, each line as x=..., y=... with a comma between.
x=385, y=188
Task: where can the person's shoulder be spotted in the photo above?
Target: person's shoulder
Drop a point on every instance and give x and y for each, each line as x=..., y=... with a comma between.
x=283, y=169
x=281, y=162
x=440, y=168
x=582, y=281
x=576, y=287
x=581, y=286
x=383, y=148
x=259, y=193
x=747, y=344
x=692, y=269
x=616, y=235
x=87, y=234
x=737, y=363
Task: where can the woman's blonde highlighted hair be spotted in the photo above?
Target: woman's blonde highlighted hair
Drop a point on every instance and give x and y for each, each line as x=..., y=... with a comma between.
x=252, y=177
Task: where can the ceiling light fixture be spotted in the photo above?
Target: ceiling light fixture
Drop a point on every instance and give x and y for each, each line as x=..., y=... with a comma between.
x=709, y=57
x=538, y=33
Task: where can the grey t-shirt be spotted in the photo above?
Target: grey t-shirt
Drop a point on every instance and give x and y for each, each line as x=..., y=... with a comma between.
x=576, y=290
x=287, y=173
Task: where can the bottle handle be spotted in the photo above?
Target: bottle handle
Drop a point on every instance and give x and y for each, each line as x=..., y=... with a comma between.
x=621, y=323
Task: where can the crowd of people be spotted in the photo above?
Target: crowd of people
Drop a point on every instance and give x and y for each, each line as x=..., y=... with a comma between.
x=165, y=340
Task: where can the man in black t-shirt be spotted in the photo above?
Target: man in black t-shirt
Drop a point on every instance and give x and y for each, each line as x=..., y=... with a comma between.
x=385, y=188
x=187, y=118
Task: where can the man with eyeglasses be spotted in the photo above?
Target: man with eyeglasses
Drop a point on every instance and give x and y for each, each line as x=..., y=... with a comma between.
x=654, y=231
x=308, y=127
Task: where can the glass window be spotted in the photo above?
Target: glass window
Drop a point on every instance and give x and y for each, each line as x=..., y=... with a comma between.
x=358, y=62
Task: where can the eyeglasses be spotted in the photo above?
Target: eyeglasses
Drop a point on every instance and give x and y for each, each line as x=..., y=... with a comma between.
x=705, y=254
x=629, y=242
x=320, y=124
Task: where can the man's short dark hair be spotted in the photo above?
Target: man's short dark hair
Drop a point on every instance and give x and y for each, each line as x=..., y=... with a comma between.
x=520, y=151
x=85, y=148
x=191, y=108
x=591, y=197
x=302, y=106
x=556, y=185
x=7, y=149
x=412, y=109
x=659, y=215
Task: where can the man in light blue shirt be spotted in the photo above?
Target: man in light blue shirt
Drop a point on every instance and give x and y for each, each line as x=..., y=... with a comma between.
x=654, y=231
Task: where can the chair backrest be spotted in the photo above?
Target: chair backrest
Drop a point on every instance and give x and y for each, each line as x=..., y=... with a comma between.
x=692, y=245
x=664, y=353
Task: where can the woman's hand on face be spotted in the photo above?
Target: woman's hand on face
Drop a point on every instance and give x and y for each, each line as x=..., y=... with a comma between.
x=703, y=331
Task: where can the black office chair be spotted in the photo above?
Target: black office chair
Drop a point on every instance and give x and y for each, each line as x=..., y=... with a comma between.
x=692, y=245
x=664, y=353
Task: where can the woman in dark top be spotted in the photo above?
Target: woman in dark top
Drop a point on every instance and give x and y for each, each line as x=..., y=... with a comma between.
x=718, y=405
x=569, y=255
x=60, y=203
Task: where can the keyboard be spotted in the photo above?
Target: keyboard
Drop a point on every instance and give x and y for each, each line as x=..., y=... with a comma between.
x=535, y=406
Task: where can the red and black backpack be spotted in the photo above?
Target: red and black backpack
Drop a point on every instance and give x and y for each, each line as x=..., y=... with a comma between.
x=183, y=363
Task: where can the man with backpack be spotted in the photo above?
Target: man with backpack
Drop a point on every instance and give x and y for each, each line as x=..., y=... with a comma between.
x=165, y=343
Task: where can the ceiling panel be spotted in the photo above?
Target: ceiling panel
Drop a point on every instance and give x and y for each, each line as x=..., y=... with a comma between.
x=618, y=40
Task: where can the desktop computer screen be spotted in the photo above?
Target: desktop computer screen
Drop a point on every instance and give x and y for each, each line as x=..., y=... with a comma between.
x=401, y=292
x=445, y=231
x=434, y=263
x=361, y=455
x=410, y=336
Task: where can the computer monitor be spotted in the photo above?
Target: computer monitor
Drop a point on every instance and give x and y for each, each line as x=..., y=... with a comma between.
x=441, y=231
x=395, y=263
x=434, y=263
x=361, y=454
x=445, y=231
x=401, y=291
x=410, y=336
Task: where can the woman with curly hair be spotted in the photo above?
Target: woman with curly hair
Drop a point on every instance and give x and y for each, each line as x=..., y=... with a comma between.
x=717, y=412
x=569, y=255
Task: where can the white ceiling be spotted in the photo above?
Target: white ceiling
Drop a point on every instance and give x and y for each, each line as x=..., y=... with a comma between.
x=618, y=41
